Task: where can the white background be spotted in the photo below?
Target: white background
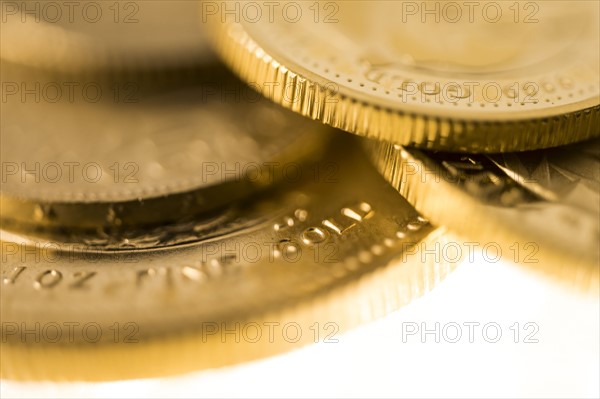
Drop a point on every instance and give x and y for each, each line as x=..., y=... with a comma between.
x=373, y=360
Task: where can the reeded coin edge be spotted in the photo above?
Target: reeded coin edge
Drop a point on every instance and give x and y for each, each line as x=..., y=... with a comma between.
x=405, y=277
x=445, y=204
x=309, y=95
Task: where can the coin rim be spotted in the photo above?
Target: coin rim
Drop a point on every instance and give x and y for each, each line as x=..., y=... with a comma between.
x=346, y=109
x=359, y=300
x=446, y=204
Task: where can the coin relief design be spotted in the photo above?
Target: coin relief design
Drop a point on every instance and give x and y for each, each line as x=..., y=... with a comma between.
x=547, y=199
x=314, y=251
x=436, y=85
x=176, y=195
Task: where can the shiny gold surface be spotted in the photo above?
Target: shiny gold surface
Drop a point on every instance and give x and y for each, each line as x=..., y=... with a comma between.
x=381, y=70
x=105, y=161
x=340, y=248
x=161, y=218
x=544, y=204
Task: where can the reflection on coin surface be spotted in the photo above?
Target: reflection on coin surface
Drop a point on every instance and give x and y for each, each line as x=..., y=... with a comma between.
x=489, y=78
x=542, y=206
x=208, y=142
x=336, y=248
x=103, y=35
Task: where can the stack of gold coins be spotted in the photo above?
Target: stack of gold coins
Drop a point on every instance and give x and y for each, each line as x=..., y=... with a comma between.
x=177, y=172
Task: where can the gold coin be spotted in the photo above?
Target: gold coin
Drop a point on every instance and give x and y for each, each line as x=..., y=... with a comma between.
x=101, y=35
x=113, y=150
x=311, y=259
x=485, y=77
x=539, y=208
